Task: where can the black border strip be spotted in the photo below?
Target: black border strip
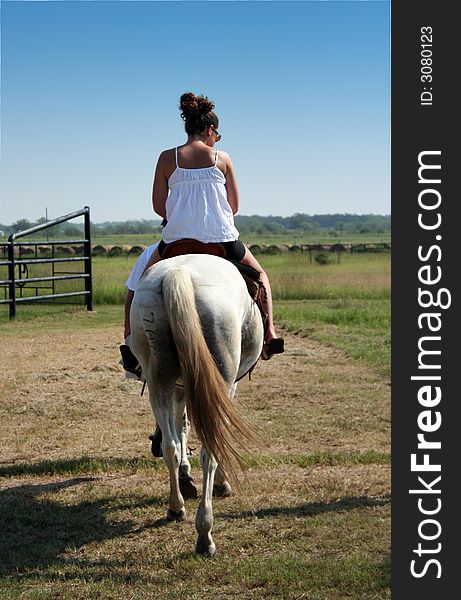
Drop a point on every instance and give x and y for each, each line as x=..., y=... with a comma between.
x=425, y=120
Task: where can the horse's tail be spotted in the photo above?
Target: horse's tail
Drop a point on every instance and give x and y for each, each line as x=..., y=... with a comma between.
x=213, y=414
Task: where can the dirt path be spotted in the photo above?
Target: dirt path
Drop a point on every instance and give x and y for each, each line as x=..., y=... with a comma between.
x=64, y=394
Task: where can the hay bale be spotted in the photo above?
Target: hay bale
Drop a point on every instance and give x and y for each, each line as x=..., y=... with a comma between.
x=277, y=248
x=100, y=250
x=137, y=249
x=256, y=248
x=27, y=250
x=295, y=248
x=78, y=249
x=119, y=250
x=67, y=250
x=374, y=247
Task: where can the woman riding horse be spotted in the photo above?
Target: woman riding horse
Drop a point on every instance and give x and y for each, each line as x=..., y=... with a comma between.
x=195, y=190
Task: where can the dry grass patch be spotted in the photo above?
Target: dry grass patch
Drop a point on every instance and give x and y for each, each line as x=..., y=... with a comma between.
x=108, y=534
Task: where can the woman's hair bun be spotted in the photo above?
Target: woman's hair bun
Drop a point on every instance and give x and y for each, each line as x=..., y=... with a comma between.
x=190, y=103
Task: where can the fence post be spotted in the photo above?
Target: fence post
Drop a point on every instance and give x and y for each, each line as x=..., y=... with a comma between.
x=11, y=285
x=88, y=269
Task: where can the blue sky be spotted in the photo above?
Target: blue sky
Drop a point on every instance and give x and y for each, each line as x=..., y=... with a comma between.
x=90, y=96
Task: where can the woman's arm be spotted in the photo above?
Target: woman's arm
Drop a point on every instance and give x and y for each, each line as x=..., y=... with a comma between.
x=231, y=185
x=160, y=187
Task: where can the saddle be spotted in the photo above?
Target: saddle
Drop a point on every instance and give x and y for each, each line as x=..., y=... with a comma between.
x=190, y=246
x=255, y=287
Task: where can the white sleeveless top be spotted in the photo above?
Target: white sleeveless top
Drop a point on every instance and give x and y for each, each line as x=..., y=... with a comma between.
x=197, y=206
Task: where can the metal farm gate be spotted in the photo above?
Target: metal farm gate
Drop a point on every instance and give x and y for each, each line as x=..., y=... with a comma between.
x=19, y=256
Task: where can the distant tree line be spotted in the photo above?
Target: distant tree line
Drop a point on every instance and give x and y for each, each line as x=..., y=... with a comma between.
x=332, y=223
x=311, y=223
x=69, y=229
x=65, y=229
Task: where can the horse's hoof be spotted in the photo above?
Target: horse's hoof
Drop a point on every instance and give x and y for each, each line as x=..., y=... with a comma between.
x=187, y=487
x=172, y=515
x=222, y=490
x=205, y=547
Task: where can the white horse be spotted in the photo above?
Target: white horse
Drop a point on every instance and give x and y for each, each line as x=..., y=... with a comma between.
x=195, y=331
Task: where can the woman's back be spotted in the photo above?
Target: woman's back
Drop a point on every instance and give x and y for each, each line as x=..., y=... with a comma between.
x=197, y=206
x=195, y=156
x=195, y=189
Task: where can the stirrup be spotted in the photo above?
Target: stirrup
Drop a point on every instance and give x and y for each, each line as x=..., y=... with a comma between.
x=275, y=346
x=129, y=361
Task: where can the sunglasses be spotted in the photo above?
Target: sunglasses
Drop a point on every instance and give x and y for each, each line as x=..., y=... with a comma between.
x=217, y=134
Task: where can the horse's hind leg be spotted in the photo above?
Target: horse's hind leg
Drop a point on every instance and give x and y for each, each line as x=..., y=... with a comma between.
x=221, y=487
x=171, y=450
x=204, y=518
x=186, y=482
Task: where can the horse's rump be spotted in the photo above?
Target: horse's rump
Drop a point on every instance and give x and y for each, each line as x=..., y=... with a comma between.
x=198, y=319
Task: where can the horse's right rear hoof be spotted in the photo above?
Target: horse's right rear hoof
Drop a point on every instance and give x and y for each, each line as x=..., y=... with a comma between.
x=222, y=490
x=187, y=487
x=172, y=515
x=205, y=546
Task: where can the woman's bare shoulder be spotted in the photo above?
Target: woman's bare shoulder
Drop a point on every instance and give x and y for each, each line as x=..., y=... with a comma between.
x=167, y=161
x=225, y=160
x=225, y=163
x=167, y=155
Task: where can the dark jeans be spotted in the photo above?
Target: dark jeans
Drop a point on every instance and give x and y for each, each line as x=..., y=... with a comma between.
x=234, y=250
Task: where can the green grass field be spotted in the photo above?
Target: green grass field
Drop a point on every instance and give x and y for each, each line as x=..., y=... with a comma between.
x=345, y=303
